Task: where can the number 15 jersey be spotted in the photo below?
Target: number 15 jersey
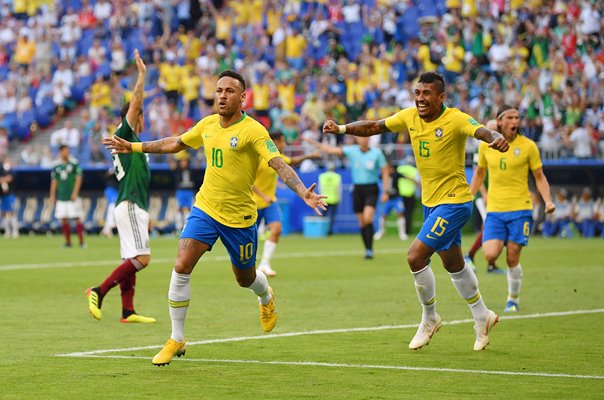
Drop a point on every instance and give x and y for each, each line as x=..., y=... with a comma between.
x=233, y=155
x=439, y=150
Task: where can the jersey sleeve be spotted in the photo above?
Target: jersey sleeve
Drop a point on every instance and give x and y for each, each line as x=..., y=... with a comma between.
x=482, y=159
x=533, y=157
x=286, y=159
x=77, y=169
x=264, y=145
x=467, y=125
x=347, y=151
x=194, y=138
x=53, y=173
x=125, y=130
x=397, y=122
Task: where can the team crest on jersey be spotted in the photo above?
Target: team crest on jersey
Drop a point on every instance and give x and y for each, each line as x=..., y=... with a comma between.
x=234, y=142
x=438, y=132
x=516, y=152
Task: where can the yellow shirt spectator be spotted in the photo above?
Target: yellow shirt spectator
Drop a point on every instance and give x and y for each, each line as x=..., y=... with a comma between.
x=190, y=87
x=169, y=76
x=287, y=95
x=261, y=96
x=100, y=94
x=25, y=50
x=454, y=57
x=355, y=90
x=295, y=46
x=423, y=56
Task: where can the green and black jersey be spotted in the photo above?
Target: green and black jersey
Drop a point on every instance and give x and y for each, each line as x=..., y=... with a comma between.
x=65, y=174
x=131, y=171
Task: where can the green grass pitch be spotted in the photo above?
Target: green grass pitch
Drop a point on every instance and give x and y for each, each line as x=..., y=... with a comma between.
x=343, y=331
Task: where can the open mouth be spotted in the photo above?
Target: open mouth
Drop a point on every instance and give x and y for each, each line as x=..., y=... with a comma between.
x=422, y=108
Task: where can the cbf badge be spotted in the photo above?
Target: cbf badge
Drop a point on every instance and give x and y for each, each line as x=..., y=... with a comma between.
x=516, y=152
x=439, y=133
x=234, y=142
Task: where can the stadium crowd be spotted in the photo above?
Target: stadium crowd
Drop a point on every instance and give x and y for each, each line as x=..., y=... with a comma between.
x=305, y=60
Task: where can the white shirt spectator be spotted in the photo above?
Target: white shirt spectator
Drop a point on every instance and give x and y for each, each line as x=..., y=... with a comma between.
x=64, y=75
x=590, y=19
x=67, y=135
x=97, y=54
x=499, y=54
x=581, y=143
x=118, y=58
x=102, y=10
x=60, y=93
x=351, y=13
x=584, y=210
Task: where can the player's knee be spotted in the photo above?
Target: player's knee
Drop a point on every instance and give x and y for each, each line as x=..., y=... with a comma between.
x=244, y=281
x=181, y=267
x=143, y=260
x=415, y=261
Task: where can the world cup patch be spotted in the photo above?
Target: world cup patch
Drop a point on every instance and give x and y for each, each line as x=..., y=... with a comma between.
x=270, y=145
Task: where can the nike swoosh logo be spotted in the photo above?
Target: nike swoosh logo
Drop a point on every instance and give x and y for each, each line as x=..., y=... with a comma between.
x=430, y=237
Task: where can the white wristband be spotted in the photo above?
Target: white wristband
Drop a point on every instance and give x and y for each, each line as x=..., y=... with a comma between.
x=342, y=129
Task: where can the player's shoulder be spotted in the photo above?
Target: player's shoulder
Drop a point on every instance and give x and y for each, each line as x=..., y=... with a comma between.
x=526, y=141
x=253, y=126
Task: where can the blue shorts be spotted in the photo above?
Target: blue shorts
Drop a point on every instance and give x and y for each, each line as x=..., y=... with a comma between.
x=111, y=194
x=7, y=202
x=514, y=226
x=241, y=243
x=442, y=225
x=270, y=214
x=185, y=198
x=393, y=204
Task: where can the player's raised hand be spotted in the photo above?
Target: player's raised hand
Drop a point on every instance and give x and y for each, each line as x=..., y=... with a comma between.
x=117, y=145
x=314, y=200
x=331, y=127
x=550, y=207
x=140, y=64
x=500, y=144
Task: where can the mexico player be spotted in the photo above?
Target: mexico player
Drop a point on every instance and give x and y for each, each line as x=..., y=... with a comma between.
x=234, y=145
x=65, y=184
x=131, y=215
x=509, y=205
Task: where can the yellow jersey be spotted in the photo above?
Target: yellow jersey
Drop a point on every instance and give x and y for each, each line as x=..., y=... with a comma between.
x=266, y=182
x=439, y=149
x=508, y=174
x=233, y=155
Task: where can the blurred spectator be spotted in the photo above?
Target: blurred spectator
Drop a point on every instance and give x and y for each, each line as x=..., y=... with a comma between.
x=68, y=135
x=29, y=156
x=584, y=214
x=4, y=141
x=558, y=223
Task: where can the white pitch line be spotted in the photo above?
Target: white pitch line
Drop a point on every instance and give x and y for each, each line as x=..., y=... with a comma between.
x=370, y=366
x=337, y=253
x=326, y=331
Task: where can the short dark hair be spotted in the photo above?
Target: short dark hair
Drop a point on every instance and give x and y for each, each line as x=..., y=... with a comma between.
x=124, y=110
x=276, y=135
x=233, y=74
x=433, y=77
x=63, y=146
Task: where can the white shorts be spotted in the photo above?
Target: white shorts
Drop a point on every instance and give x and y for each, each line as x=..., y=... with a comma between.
x=133, y=228
x=68, y=209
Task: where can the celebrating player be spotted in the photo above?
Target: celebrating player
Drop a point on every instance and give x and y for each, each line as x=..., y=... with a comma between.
x=509, y=205
x=131, y=215
x=438, y=136
x=234, y=145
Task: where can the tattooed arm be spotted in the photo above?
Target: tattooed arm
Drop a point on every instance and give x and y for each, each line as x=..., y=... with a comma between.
x=118, y=145
x=292, y=180
x=359, y=128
